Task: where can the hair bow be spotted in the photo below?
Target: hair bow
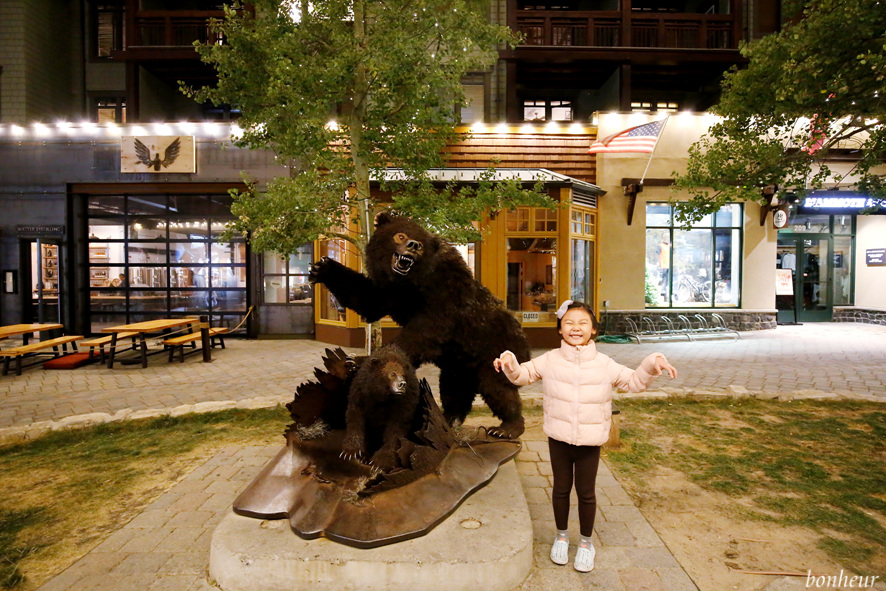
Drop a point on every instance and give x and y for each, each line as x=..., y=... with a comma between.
x=563, y=307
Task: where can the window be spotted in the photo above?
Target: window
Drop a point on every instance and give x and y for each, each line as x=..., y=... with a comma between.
x=582, y=237
x=109, y=109
x=473, y=110
x=108, y=29
x=330, y=308
x=699, y=267
x=531, y=235
x=150, y=256
x=285, y=280
x=547, y=110
x=659, y=106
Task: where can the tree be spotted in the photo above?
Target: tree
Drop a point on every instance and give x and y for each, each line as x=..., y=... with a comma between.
x=341, y=90
x=810, y=94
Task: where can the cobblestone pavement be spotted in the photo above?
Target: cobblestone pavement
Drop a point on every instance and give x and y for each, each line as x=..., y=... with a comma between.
x=167, y=546
x=827, y=357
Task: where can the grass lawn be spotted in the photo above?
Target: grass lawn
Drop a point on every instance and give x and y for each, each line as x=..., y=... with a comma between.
x=818, y=465
x=65, y=492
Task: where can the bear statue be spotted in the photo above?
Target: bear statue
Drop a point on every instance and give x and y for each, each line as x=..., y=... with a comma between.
x=446, y=316
x=381, y=408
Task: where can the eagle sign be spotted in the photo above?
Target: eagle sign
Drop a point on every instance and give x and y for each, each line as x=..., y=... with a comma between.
x=169, y=156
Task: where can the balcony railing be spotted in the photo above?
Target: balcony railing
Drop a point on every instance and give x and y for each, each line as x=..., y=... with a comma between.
x=606, y=29
x=178, y=28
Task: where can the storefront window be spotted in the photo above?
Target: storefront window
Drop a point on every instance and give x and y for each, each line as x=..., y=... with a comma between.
x=842, y=270
x=532, y=263
x=801, y=223
x=582, y=229
x=532, y=267
x=581, y=279
x=148, y=256
x=469, y=253
x=518, y=220
x=693, y=268
x=286, y=279
x=330, y=308
x=843, y=224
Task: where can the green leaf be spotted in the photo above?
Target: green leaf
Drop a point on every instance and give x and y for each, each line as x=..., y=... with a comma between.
x=388, y=73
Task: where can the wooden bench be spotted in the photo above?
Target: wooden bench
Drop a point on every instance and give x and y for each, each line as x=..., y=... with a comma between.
x=106, y=340
x=18, y=352
x=216, y=336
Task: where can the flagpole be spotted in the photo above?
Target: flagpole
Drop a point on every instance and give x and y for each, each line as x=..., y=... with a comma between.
x=651, y=154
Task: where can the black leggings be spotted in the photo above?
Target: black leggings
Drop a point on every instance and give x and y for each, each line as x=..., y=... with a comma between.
x=578, y=464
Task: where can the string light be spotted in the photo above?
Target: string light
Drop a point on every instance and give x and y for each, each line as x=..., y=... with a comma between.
x=91, y=129
x=69, y=130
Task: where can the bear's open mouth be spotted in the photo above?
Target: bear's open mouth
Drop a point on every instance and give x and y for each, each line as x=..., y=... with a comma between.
x=402, y=263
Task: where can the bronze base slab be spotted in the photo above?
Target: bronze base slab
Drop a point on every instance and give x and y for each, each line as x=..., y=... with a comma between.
x=319, y=492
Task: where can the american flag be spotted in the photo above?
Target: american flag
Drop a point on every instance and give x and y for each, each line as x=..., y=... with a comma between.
x=641, y=138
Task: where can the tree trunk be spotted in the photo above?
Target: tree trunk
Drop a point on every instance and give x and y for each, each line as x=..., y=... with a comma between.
x=361, y=168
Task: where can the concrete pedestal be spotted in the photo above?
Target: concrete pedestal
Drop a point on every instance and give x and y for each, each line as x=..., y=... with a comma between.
x=486, y=543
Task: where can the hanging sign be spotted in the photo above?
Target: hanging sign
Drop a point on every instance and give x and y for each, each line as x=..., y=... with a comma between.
x=784, y=282
x=779, y=218
x=875, y=257
x=157, y=154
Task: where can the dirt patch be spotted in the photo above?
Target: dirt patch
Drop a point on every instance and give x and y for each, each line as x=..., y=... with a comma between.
x=714, y=544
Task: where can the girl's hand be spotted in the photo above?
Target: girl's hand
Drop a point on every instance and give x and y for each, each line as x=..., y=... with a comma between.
x=507, y=361
x=662, y=365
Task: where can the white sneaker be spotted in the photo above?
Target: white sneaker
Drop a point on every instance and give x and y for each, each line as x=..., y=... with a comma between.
x=584, y=558
x=560, y=552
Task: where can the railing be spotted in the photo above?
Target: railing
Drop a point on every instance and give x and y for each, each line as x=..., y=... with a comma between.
x=605, y=29
x=178, y=28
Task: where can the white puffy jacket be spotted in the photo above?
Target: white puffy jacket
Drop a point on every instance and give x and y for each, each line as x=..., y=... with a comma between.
x=577, y=386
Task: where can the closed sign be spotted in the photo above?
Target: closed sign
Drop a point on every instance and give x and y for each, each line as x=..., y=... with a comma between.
x=530, y=316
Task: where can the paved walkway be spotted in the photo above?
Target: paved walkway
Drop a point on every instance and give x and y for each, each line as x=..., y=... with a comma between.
x=166, y=547
x=840, y=358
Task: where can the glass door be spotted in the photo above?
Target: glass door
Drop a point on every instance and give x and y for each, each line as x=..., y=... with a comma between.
x=43, y=299
x=809, y=259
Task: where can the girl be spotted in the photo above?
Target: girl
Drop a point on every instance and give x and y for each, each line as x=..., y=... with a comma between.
x=578, y=383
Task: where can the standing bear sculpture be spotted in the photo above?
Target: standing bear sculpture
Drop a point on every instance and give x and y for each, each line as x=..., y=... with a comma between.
x=447, y=317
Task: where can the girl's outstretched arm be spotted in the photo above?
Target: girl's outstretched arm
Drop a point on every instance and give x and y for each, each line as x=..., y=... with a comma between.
x=520, y=374
x=638, y=380
x=506, y=361
x=661, y=365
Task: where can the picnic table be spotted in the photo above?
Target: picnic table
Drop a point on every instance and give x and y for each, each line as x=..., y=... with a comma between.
x=33, y=350
x=24, y=330
x=143, y=329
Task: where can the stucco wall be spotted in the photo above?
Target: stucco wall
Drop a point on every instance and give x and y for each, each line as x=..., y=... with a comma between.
x=622, y=265
x=869, y=281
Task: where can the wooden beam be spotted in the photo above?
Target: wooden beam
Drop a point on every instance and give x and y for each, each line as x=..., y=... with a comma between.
x=631, y=192
x=648, y=182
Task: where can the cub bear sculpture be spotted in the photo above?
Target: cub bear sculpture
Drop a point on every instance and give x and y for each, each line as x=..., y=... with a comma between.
x=381, y=408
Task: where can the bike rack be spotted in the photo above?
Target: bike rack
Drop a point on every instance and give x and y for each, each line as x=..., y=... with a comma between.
x=669, y=330
x=652, y=333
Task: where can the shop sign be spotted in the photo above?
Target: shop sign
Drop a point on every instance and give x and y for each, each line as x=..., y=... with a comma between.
x=530, y=316
x=41, y=231
x=848, y=204
x=875, y=257
x=157, y=154
x=784, y=282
